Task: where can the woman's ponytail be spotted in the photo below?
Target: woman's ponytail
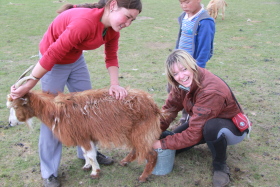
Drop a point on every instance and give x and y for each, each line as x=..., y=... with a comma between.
x=100, y=4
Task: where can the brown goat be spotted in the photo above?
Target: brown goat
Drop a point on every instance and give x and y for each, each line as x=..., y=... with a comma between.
x=93, y=116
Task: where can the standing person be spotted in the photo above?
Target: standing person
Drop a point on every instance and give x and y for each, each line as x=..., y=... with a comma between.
x=196, y=35
x=82, y=27
x=197, y=31
x=211, y=106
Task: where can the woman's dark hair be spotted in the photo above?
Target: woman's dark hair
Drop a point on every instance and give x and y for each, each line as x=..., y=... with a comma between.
x=128, y=4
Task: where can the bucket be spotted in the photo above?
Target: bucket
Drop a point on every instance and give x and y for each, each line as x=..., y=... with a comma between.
x=165, y=161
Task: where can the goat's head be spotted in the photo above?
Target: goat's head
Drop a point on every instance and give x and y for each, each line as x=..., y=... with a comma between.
x=19, y=110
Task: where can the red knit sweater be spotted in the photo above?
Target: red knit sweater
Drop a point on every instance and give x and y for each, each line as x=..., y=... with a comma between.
x=73, y=31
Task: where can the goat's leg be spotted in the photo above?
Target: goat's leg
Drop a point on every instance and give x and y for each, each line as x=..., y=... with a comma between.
x=223, y=13
x=215, y=12
x=212, y=13
x=87, y=165
x=150, y=165
x=129, y=158
x=91, y=161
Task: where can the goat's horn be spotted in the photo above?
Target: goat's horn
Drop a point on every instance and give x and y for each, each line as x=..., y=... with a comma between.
x=25, y=72
x=22, y=78
x=21, y=81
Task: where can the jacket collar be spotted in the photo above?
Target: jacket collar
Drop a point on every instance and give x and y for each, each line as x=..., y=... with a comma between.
x=194, y=87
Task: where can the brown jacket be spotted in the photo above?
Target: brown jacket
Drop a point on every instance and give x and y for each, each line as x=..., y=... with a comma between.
x=212, y=100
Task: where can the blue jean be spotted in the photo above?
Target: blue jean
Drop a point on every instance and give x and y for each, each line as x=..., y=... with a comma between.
x=76, y=77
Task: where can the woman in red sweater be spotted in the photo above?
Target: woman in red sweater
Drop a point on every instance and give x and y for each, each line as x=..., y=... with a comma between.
x=77, y=28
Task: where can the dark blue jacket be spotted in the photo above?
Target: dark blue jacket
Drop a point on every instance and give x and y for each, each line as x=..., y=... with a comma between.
x=204, y=31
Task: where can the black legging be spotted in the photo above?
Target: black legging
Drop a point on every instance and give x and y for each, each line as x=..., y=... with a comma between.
x=215, y=127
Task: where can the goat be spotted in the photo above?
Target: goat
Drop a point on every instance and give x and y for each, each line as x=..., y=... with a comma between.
x=214, y=6
x=93, y=116
x=13, y=121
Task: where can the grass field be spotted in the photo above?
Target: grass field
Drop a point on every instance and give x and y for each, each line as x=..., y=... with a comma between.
x=246, y=56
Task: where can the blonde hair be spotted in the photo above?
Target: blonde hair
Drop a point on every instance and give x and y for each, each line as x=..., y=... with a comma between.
x=186, y=60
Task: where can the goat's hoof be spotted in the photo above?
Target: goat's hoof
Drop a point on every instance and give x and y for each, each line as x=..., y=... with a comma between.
x=97, y=175
x=86, y=168
x=142, y=179
x=123, y=163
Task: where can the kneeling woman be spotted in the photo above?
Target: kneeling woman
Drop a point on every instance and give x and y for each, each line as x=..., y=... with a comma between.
x=211, y=106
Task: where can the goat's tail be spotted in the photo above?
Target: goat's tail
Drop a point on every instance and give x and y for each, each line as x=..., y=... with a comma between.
x=225, y=3
x=144, y=135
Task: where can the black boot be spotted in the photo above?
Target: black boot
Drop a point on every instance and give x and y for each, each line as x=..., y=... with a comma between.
x=221, y=171
x=102, y=159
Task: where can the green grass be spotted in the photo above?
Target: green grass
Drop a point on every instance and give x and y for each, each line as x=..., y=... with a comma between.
x=246, y=55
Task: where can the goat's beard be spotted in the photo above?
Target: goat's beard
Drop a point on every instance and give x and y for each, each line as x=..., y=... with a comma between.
x=29, y=123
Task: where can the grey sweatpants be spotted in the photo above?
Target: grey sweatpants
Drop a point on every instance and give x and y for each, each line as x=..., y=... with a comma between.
x=76, y=77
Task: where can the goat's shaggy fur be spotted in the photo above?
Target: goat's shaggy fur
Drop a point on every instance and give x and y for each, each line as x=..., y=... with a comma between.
x=93, y=116
x=214, y=6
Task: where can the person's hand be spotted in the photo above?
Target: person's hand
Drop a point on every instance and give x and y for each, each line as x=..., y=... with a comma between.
x=117, y=91
x=157, y=144
x=23, y=89
x=19, y=92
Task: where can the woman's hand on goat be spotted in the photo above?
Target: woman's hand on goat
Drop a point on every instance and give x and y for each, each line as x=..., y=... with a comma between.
x=157, y=144
x=23, y=89
x=117, y=91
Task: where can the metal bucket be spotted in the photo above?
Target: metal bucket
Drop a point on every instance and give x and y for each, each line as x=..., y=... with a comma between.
x=165, y=161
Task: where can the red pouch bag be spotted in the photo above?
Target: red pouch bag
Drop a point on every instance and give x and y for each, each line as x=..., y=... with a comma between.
x=241, y=121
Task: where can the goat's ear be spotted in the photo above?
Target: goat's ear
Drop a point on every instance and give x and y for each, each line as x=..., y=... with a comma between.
x=9, y=98
x=9, y=101
x=25, y=101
